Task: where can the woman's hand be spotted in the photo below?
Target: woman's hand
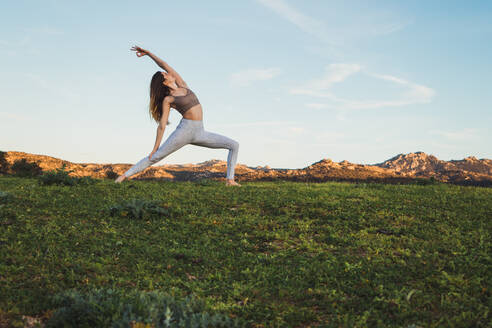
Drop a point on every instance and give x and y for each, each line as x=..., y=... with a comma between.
x=152, y=153
x=140, y=51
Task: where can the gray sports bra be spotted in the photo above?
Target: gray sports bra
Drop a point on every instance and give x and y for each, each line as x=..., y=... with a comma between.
x=183, y=103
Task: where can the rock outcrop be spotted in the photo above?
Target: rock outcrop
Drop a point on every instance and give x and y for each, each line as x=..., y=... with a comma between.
x=399, y=169
x=420, y=164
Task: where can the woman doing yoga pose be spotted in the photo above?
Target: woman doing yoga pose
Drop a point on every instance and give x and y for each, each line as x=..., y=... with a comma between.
x=168, y=90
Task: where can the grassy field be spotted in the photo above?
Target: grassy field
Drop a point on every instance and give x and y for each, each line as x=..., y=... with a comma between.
x=273, y=254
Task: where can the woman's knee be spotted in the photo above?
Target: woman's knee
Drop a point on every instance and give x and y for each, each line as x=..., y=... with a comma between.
x=234, y=145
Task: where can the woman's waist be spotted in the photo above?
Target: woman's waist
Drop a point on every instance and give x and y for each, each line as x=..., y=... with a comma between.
x=195, y=120
x=194, y=113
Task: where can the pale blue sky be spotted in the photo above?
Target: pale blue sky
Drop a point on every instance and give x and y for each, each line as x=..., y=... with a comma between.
x=292, y=81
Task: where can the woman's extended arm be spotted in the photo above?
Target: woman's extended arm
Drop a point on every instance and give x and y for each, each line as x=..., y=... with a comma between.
x=166, y=107
x=162, y=64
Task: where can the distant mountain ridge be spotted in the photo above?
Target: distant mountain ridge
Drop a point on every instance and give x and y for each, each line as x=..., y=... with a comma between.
x=421, y=164
x=400, y=168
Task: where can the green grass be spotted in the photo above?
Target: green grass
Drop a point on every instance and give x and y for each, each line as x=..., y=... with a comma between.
x=276, y=254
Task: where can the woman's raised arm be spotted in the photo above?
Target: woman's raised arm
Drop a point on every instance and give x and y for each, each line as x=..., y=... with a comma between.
x=162, y=64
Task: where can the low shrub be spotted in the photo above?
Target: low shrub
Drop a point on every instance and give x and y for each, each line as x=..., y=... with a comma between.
x=4, y=165
x=85, y=180
x=138, y=209
x=116, y=308
x=23, y=168
x=426, y=181
x=110, y=174
x=61, y=176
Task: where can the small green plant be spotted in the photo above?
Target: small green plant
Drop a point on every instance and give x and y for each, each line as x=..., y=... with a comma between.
x=206, y=182
x=117, y=308
x=4, y=197
x=6, y=213
x=23, y=168
x=137, y=209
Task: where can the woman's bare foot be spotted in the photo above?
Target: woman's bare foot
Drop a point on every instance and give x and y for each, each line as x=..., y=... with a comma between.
x=120, y=179
x=230, y=182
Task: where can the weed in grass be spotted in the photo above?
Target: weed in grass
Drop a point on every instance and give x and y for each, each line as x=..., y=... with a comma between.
x=85, y=180
x=4, y=197
x=137, y=209
x=7, y=215
x=117, y=308
x=206, y=182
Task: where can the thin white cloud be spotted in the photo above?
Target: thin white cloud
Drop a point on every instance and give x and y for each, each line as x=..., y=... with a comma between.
x=389, y=78
x=338, y=32
x=418, y=93
x=464, y=134
x=336, y=73
x=389, y=28
x=307, y=24
x=247, y=77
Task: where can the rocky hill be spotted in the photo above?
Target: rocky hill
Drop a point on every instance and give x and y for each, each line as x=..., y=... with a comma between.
x=420, y=164
x=399, y=169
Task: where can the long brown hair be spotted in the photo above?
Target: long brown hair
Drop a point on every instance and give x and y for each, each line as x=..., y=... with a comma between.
x=158, y=91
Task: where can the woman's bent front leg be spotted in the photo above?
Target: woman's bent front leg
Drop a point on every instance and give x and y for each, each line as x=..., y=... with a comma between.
x=179, y=138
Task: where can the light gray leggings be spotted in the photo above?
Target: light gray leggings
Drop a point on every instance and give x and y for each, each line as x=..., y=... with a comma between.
x=190, y=132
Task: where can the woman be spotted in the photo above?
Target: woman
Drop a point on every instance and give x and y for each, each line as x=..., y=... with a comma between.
x=168, y=90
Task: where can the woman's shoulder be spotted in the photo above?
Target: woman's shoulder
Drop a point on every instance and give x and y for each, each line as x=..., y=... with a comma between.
x=168, y=99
